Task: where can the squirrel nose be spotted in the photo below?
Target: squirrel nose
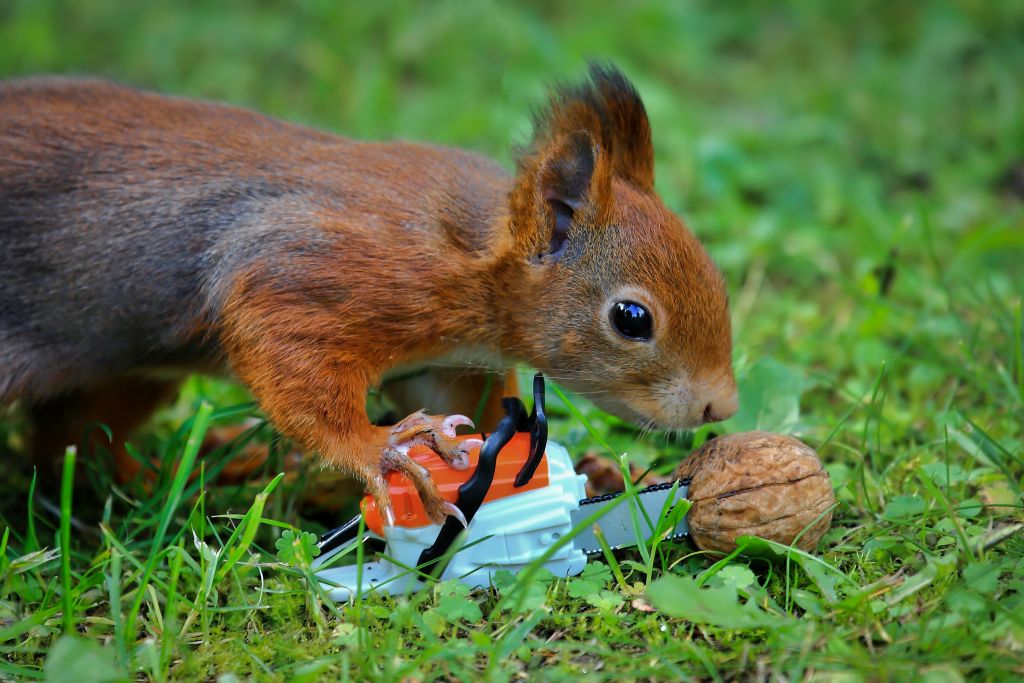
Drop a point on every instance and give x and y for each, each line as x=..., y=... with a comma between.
x=721, y=407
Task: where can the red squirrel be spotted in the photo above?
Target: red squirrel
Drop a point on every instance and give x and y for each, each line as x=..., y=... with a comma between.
x=144, y=236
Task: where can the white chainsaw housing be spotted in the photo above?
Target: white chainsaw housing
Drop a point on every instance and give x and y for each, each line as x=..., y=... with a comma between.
x=508, y=533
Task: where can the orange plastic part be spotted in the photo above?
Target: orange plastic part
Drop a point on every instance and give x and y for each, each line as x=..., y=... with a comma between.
x=405, y=500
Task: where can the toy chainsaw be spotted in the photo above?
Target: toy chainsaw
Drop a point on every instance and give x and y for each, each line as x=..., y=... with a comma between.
x=521, y=499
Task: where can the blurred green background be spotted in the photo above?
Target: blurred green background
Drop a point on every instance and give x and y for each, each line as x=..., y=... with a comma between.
x=824, y=151
x=857, y=169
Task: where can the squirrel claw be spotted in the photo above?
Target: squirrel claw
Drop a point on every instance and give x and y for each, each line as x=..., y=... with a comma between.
x=460, y=453
x=453, y=421
x=453, y=510
x=377, y=486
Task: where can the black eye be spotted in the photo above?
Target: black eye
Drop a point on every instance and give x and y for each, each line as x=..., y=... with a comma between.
x=631, y=320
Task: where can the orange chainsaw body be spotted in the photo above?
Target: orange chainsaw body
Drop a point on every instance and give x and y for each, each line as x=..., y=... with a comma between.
x=405, y=500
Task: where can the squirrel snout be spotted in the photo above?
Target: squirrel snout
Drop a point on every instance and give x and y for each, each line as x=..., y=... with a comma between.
x=685, y=404
x=719, y=410
x=722, y=405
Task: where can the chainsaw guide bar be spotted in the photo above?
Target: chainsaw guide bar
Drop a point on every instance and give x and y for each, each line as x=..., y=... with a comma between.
x=617, y=526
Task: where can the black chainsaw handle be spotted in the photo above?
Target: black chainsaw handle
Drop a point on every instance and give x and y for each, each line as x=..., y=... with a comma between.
x=472, y=493
x=538, y=434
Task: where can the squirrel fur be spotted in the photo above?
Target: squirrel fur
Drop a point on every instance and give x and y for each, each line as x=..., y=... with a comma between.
x=143, y=237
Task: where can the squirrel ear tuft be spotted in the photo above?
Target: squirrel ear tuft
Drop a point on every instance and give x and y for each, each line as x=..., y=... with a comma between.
x=628, y=127
x=609, y=108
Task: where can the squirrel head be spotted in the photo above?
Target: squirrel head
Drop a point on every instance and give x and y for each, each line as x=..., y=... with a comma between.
x=620, y=301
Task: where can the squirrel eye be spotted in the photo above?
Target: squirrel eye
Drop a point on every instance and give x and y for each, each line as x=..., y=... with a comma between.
x=631, y=320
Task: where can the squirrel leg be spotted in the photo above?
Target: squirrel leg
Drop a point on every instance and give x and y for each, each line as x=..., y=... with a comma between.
x=315, y=393
x=121, y=403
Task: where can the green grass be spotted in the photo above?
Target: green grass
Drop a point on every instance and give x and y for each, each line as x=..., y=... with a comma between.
x=856, y=169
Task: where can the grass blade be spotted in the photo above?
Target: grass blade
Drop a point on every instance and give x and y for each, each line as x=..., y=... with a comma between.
x=195, y=440
x=67, y=485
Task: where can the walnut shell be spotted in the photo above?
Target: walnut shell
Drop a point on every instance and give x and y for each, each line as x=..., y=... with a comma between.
x=756, y=483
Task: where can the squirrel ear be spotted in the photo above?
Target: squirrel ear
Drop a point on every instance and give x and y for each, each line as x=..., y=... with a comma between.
x=571, y=181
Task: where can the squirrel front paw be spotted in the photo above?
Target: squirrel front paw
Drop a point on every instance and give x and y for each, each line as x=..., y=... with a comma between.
x=436, y=433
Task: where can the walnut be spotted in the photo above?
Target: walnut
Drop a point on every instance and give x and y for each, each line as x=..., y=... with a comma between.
x=756, y=483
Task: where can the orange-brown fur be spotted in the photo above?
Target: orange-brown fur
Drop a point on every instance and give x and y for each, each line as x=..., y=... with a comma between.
x=310, y=265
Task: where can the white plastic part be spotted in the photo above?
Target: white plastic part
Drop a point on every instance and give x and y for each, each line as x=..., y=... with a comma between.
x=520, y=529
